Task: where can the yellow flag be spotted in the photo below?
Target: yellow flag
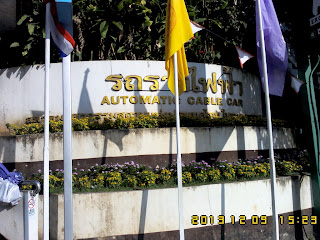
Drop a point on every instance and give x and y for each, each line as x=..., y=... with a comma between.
x=178, y=31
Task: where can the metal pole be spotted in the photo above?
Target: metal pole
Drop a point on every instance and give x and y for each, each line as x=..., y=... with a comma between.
x=179, y=168
x=30, y=210
x=46, y=130
x=314, y=104
x=313, y=111
x=67, y=149
x=269, y=124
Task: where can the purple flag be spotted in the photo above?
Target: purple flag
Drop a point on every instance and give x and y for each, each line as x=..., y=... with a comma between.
x=276, y=51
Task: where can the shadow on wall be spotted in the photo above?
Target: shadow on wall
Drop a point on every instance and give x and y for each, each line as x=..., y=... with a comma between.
x=2, y=237
x=8, y=151
x=85, y=105
x=215, y=143
x=143, y=214
x=18, y=71
x=296, y=187
x=117, y=139
x=168, y=108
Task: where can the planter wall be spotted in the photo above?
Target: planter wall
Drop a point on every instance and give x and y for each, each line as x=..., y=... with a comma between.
x=148, y=146
x=154, y=213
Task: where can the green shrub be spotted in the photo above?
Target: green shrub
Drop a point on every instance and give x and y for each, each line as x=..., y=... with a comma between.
x=130, y=181
x=131, y=175
x=146, y=178
x=214, y=175
x=113, y=179
x=143, y=121
x=201, y=176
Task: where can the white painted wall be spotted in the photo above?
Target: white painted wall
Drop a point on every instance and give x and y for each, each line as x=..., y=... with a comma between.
x=150, y=211
x=152, y=141
x=135, y=212
x=22, y=94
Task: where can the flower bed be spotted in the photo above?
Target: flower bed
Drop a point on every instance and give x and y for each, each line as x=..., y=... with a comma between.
x=145, y=121
x=136, y=176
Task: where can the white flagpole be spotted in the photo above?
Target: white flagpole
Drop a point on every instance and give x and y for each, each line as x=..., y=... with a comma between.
x=179, y=168
x=269, y=123
x=46, y=130
x=67, y=148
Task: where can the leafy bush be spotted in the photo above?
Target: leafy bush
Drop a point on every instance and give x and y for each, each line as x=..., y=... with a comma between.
x=143, y=121
x=136, y=176
x=104, y=30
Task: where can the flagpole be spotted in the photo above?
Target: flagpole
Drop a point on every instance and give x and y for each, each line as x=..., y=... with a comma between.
x=179, y=167
x=269, y=124
x=46, y=130
x=67, y=148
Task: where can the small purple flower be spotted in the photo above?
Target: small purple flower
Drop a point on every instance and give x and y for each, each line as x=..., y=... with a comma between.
x=75, y=173
x=255, y=162
x=82, y=170
x=39, y=171
x=57, y=170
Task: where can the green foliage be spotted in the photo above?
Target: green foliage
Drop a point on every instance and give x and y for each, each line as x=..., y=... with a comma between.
x=113, y=179
x=129, y=30
x=21, y=47
x=144, y=121
x=287, y=168
x=135, y=176
x=146, y=178
x=214, y=175
x=25, y=129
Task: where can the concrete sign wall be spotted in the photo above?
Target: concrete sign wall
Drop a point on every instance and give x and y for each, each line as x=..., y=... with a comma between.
x=125, y=88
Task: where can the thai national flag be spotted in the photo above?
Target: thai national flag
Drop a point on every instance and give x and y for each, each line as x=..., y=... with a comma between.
x=61, y=25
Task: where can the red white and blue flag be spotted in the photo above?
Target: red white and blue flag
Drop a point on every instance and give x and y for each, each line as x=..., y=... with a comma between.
x=61, y=25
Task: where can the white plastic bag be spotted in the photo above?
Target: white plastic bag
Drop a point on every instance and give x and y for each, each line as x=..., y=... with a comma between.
x=9, y=192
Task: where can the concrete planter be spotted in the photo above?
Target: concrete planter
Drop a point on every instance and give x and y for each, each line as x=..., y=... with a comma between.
x=129, y=214
x=148, y=146
x=153, y=214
